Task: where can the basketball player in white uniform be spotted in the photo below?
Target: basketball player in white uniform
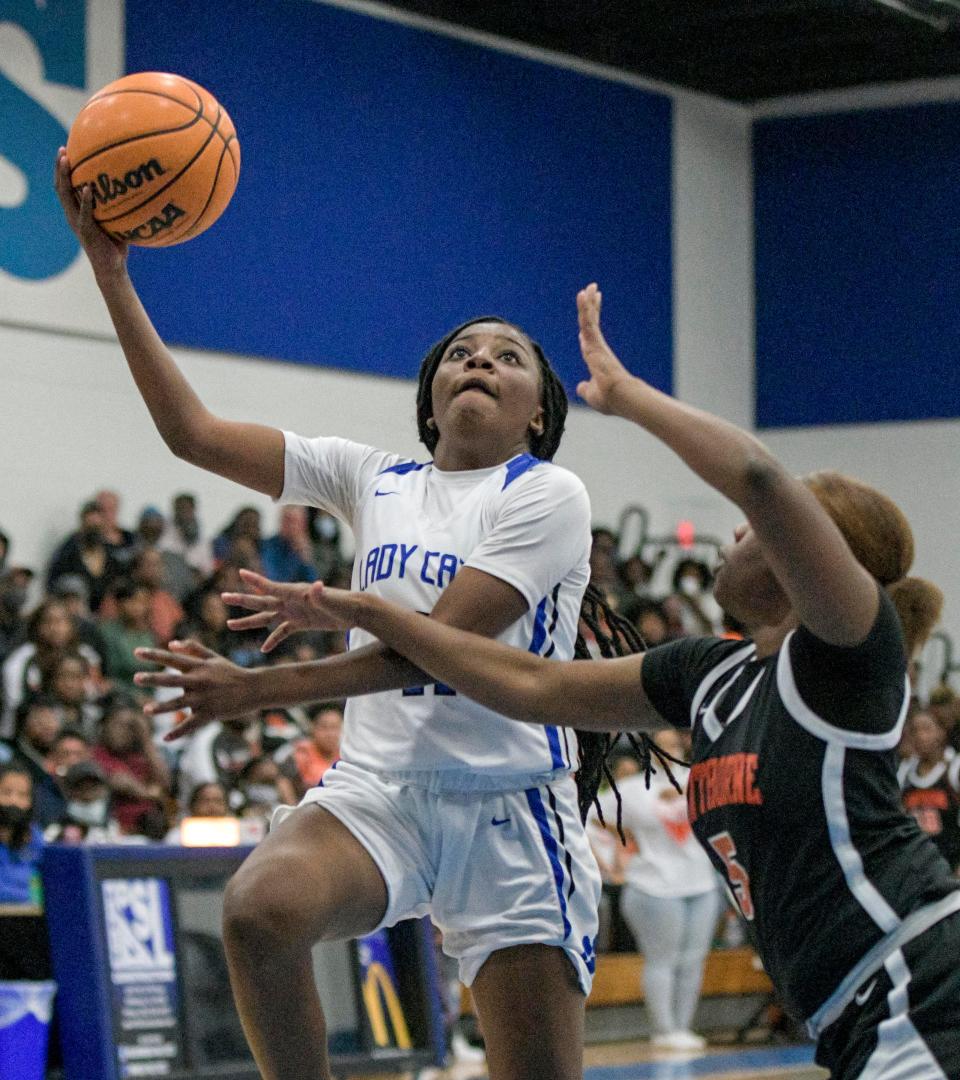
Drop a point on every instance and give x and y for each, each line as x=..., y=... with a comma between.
x=439, y=805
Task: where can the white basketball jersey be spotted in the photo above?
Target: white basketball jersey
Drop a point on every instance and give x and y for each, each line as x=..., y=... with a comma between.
x=526, y=522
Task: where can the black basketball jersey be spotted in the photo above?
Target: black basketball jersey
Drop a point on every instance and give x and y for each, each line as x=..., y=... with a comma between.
x=793, y=793
x=933, y=799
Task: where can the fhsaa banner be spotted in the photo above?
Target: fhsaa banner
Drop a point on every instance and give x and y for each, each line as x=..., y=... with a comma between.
x=143, y=976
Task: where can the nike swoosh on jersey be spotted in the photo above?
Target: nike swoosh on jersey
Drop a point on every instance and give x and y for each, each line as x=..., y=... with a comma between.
x=862, y=996
x=378, y=492
x=499, y=821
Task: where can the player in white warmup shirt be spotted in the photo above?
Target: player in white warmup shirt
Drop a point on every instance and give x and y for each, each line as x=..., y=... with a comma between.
x=440, y=805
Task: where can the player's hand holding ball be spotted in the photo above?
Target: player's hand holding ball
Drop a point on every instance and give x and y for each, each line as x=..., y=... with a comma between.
x=107, y=255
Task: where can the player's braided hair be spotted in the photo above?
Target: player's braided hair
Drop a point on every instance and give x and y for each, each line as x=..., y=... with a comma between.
x=615, y=636
x=553, y=397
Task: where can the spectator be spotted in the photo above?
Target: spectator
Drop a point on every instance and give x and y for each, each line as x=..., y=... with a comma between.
x=120, y=541
x=130, y=630
x=218, y=753
x=70, y=747
x=288, y=556
x=165, y=613
x=21, y=842
x=206, y=621
x=611, y=855
x=324, y=530
x=86, y=554
x=673, y=608
x=38, y=725
x=185, y=537
x=603, y=566
x=651, y=621
x=944, y=705
x=692, y=583
x=264, y=788
x=87, y=818
x=636, y=581
x=208, y=799
x=241, y=540
x=69, y=682
x=72, y=590
x=174, y=575
x=14, y=589
x=135, y=769
x=670, y=901
x=930, y=782
x=280, y=728
x=316, y=753
x=50, y=633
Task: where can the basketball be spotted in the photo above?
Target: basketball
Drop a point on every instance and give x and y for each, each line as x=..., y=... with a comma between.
x=161, y=155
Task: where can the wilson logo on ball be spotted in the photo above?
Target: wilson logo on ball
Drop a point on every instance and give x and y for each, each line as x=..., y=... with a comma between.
x=106, y=188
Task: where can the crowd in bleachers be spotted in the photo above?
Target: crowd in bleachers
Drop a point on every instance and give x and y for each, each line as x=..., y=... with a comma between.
x=75, y=746
x=72, y=729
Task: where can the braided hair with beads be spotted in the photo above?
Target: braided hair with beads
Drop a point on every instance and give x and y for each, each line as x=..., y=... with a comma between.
x=615, y=636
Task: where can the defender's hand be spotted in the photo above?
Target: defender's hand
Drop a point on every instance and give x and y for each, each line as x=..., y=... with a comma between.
x=213, y=687
x=607, y=373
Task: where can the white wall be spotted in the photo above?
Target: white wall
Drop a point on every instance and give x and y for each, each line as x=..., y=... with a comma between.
x=72, y=421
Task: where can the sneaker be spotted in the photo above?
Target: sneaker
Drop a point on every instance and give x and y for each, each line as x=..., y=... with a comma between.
x=688, y=1040
x=678, y=1041
x=462, y=1051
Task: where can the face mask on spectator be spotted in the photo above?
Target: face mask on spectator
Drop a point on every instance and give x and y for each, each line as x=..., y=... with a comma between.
x=88, y=813
x=689, y=586
x=325, y=527
x=261, y=793
x=13, y=817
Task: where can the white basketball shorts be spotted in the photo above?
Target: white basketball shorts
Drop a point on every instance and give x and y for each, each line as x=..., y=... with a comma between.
x=491, y=870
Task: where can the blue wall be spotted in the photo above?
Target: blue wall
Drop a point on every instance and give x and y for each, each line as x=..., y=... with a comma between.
x=395, y=183
x=858, y=266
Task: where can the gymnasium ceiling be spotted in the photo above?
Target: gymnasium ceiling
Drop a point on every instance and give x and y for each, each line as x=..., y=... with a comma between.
x=741, y=50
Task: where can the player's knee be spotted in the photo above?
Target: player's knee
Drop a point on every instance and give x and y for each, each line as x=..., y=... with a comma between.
x=260, y=909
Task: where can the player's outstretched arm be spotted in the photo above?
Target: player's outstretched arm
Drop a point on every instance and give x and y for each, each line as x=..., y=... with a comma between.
x=249, y=454
x=832, y=594
x=215, y=689
x=601, y=695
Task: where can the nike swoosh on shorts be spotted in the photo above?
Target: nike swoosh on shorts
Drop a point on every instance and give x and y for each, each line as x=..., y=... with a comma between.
x=862, y=996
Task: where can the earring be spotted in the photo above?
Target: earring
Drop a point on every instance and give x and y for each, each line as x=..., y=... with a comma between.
x=431, y=423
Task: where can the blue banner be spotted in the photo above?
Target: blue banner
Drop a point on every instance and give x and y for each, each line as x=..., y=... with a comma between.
x=857, y=260
x=396, y=182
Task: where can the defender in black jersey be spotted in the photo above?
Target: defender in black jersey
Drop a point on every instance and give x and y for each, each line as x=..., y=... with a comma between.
x=793, y=789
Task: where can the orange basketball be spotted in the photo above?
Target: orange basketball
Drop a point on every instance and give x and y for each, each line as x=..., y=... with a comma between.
x=161, y=154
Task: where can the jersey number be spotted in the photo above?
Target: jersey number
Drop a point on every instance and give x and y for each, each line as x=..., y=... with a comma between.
x=739, y=879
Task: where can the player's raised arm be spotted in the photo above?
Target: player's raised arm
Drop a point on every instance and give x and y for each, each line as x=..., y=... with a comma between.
x=249, y=454
x=602, y=695
x=214, y=688
x=597, y=695
x=828, y=590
